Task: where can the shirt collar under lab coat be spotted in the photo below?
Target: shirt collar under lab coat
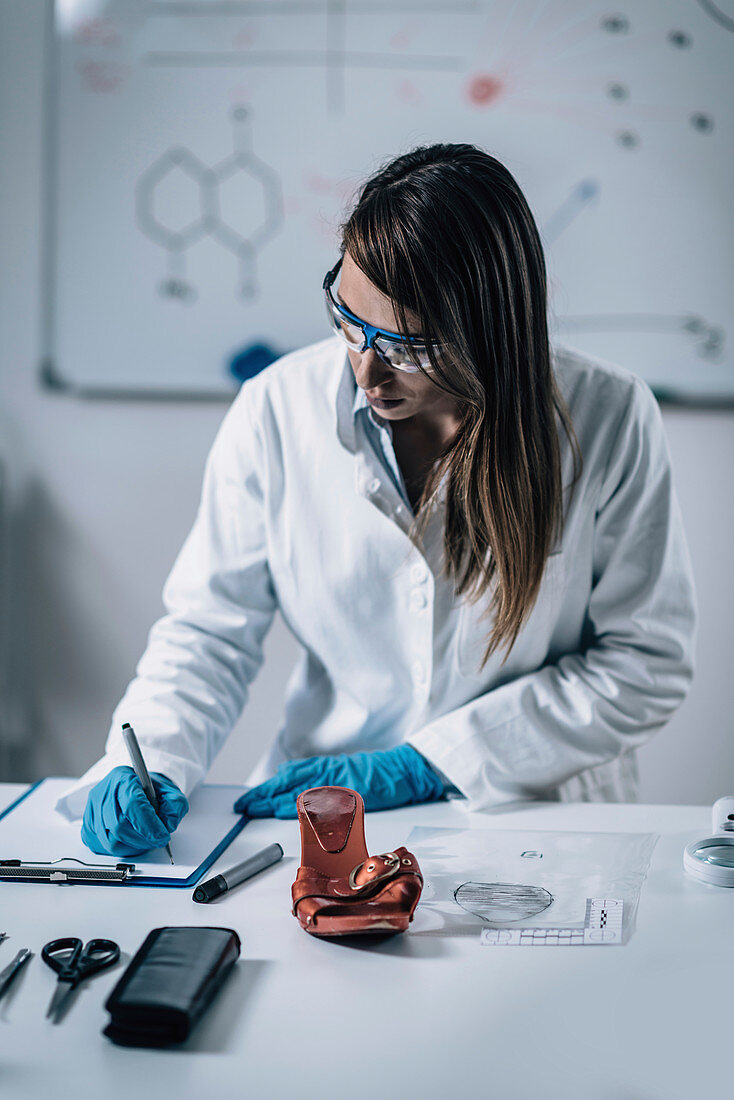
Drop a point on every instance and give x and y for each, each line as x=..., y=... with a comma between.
x=362, y=406
x=351, y=402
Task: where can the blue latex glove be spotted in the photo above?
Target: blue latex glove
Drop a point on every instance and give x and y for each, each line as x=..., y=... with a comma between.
x=393, y=777
x=120, y=821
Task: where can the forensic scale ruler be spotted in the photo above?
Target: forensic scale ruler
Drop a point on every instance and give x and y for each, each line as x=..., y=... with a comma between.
x=602, y=925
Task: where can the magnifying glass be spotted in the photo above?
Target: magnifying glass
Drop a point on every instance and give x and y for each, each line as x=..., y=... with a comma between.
x=712, y=859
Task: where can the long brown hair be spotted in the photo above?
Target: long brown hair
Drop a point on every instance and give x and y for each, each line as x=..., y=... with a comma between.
x=445, y=232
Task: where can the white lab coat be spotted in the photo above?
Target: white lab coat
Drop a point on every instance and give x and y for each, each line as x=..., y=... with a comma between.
x=299, y=514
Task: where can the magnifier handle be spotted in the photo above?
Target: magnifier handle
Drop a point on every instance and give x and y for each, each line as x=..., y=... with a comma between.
x=722, y=817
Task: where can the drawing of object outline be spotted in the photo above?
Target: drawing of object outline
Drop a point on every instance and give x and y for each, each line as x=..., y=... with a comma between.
x=334, y=57
x=715, y=12
x=581, y=196
x=209, y=221
x=708, y=339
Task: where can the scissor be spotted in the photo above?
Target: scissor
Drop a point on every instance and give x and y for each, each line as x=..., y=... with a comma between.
x=73, y=961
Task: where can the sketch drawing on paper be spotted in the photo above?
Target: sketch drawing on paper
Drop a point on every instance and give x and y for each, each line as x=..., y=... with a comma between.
x=502, y=902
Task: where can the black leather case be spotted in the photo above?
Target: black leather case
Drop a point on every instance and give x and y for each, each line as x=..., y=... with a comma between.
x=169, y=984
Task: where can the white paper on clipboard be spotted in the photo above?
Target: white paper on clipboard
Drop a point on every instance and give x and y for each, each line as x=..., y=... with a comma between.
x=34, y=832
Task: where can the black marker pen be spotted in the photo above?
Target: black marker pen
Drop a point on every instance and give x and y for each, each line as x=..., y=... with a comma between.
x=220, y=884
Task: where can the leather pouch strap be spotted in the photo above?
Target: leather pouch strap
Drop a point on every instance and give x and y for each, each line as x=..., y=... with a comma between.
x=365, y=881
x=378, y=869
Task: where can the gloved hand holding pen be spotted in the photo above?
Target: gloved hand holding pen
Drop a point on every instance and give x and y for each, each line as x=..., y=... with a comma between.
x=120, y=821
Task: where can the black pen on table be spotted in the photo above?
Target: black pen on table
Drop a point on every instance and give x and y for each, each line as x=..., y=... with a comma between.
x=220, y=884
x=141, y=771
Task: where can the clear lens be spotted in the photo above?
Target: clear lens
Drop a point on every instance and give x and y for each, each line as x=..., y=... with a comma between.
x=351, y=334
x=397, y=355
x=721, y=855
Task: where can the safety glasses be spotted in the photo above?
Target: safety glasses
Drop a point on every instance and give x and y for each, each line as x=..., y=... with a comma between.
x=391, y=347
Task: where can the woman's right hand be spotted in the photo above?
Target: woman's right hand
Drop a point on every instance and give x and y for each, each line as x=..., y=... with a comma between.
x=120, y=821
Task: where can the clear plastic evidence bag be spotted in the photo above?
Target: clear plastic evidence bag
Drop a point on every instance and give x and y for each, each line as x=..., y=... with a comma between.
x=476, y=879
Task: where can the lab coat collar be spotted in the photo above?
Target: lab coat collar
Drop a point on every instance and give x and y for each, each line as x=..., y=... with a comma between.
x=350, y=401
x=345, y=400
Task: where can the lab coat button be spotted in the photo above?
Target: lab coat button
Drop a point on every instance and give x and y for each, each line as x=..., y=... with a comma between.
x=417, y=601
x=373, y=486
x=418, y=573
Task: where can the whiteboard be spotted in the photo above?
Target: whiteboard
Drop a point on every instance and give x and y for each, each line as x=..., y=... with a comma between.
x=202, y=153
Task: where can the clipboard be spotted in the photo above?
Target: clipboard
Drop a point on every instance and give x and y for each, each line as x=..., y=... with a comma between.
x=32, y=832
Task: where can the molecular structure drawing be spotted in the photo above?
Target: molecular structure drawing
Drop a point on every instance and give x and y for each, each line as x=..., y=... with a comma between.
x=238, y=202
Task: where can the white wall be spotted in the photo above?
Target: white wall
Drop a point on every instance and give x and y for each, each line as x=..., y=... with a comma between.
x=101, y=496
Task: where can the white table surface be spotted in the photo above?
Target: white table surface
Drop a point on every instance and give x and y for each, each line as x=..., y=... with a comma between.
x=409, y=1017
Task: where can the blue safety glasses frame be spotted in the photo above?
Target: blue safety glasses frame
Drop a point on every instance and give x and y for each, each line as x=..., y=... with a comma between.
x=390, y=347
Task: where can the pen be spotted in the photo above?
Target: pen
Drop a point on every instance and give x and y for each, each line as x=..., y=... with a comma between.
x=220, y=884
x=141, y=771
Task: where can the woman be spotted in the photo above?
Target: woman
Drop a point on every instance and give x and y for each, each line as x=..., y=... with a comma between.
x=474, y=539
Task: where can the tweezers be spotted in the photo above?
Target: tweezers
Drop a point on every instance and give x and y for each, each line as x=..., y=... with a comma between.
x=7, y=975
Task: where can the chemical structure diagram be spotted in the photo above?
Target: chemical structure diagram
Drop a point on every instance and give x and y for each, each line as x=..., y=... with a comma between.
x=237, y=202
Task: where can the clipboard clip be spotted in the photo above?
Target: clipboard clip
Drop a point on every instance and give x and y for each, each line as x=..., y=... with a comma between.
x=17, y=869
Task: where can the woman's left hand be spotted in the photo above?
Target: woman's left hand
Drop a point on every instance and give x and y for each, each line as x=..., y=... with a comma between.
x=385, y=779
